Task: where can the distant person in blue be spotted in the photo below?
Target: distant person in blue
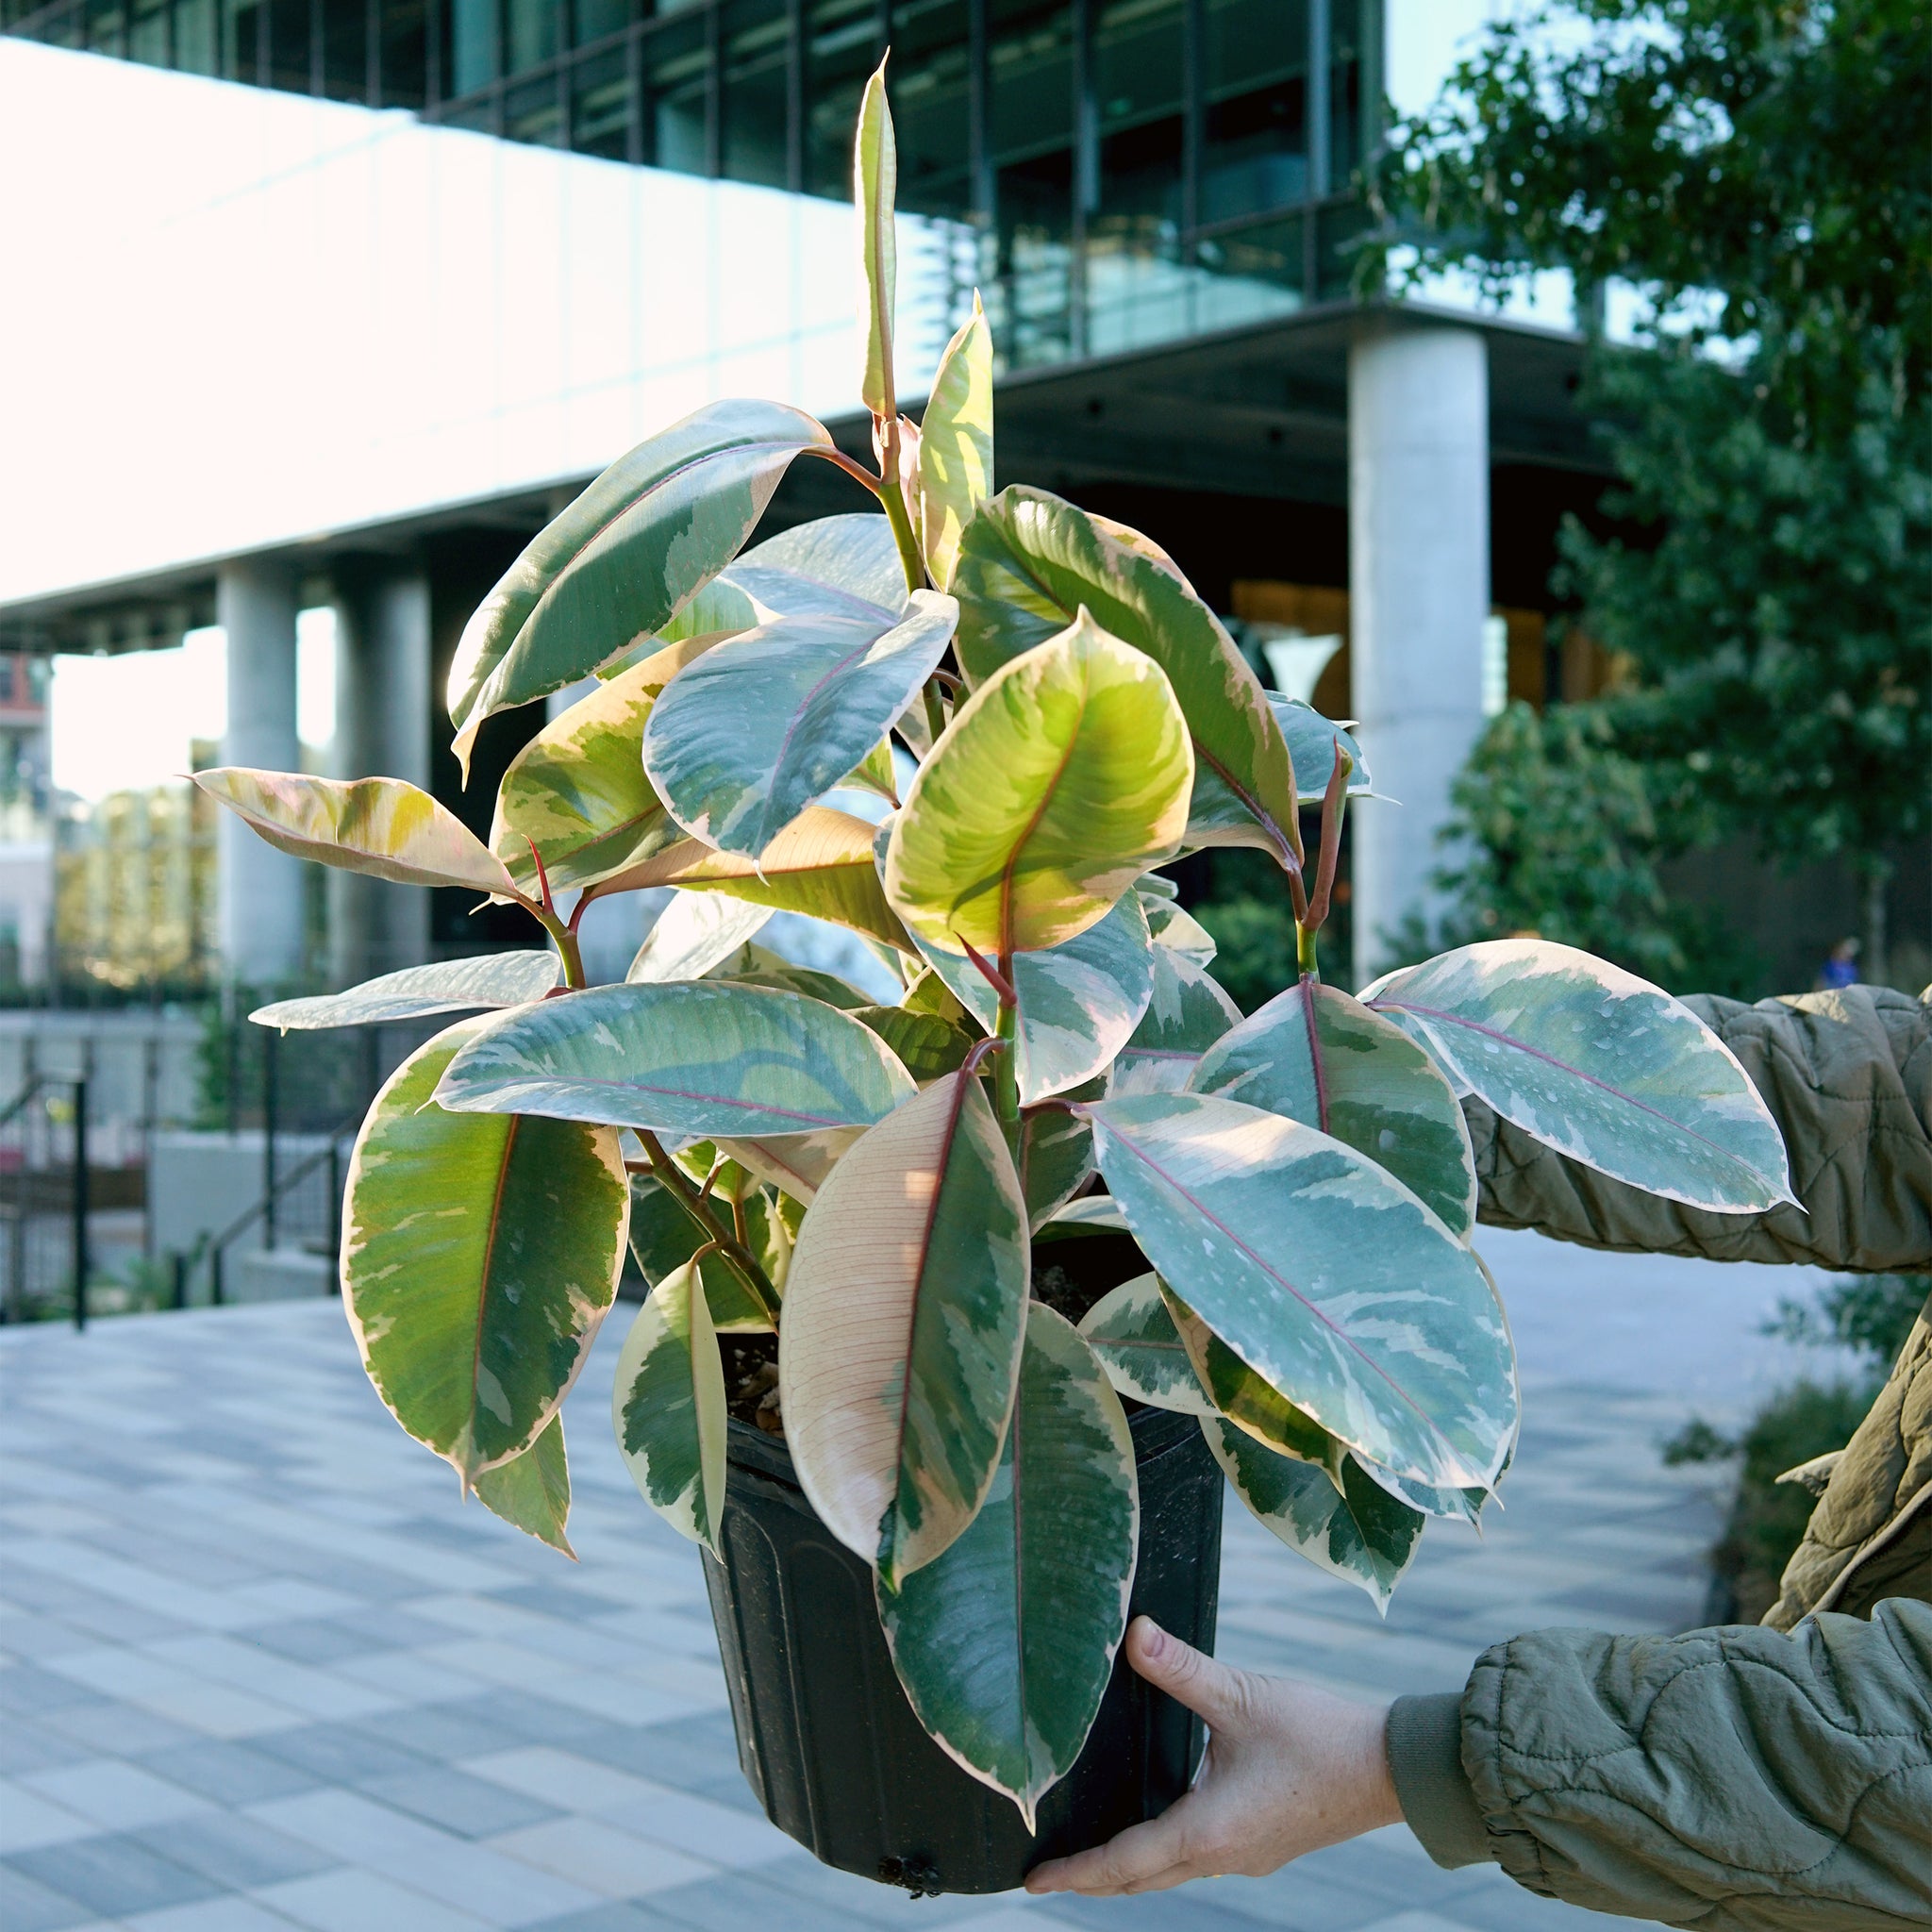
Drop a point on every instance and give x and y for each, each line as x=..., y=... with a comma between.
x=1841, y=968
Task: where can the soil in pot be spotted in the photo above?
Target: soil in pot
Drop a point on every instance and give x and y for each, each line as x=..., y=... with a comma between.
x=826, y=1734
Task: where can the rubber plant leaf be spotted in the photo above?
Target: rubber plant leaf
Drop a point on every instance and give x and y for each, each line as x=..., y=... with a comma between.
x=1324, y=1273
x=1178, y=931
x=1186, y=1014
x=928, y=1046
x=1030, y=559
x=480, y=1254
x=1055, y=1154
x=875, y=189
x=1061, y=779
x=821, y=864
x=874, y=773
x=667, y=1405
x=1078, y=1003
x=756, y=730
x=1457, y=1505
x=855, y=553
x=414, y=992
x=1358, y=1532
x=752, y=965
x=1131, y=1331
x=579, y=794
x=1238, y=1393
x=795, y=1165
x=531, y=1492
x=693, y=934
x=1316, y=1055
x=1006, y=1645
x=663, y=1237
x=696, y=1058
x=904, y=1316
x=381, y=826
x=1604, y=1067
x=956, y=443
x=624, y=558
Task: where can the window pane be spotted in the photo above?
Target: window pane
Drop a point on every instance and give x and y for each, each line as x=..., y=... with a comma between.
x=676, y=99
x=405, y=56
x=1031, y=57
x=841, y=48
x=147, y=33
x=931, y=84
x=346, y=53
x=596, y=18
x=107, y=27
x=1260, y=274
x=532, y=33
x=473, y=57
x=241, y=32
x=1345, y=91
x=479, y=115
x=1335, y=259
x=1255, y=136
x=757, y=45
x=288, y=45
x=532, y=113
x=1139, y=61
x=195, y=51
x=600, y=106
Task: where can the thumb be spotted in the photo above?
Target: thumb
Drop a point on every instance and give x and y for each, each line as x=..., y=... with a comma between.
x=1208, y=1689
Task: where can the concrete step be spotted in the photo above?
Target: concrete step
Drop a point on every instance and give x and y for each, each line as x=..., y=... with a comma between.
x=278, y=1275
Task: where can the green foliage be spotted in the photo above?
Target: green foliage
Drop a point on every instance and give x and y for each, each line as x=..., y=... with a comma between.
x=1255, y=941
x=1742, y=166
x=1871, y=1313
x=865, y=1178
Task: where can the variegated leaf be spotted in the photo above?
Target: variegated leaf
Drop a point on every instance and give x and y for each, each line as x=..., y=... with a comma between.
x=380, y=826
x=414, y=992
x=1324, y=1273
x=855, y=553
x=668, y=1408
x=1600, y=1065
x=624, y=558
x=904, y=1317
x=1029, y=560
x=757, y=729
x=926, y=1045
x=531, y=1492
x=875, y=187
x=1056, y=784
x=664, y=1235
x=1358, y=1532
x=1005, y=1643
x=1078, y=1002
x=796, y=1164
x=1055, y=1155
x=1456, y=1505
x=1318, y=1056
x=1187, y=1012
x=1134, y=1335
x=693, y=934
x=702, y=1057
x=479, y=1256
x=955, y=444
x=1179, y=932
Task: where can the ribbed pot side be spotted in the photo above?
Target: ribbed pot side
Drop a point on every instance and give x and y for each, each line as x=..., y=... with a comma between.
x=829, y=1740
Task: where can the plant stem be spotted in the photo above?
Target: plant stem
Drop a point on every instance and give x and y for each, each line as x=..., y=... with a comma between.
x=893, y=494
x=565, y=939
x=1304, y=936
x=934, y=709
x=677, y=1184
x=1006, y=1071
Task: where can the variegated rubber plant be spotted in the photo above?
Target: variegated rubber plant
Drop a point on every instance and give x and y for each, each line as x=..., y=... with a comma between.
x=870, y=1180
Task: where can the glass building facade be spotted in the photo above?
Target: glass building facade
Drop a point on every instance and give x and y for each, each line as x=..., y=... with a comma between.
x=1121, y=171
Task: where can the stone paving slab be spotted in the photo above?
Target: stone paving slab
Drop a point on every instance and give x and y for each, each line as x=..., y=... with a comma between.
x=259, y=1668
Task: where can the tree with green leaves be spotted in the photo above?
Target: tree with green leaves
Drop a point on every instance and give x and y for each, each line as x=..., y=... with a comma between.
x=1755, y=176
x=855, y=1191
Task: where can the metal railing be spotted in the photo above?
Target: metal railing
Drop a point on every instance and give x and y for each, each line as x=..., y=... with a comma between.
x=39, y=1193
x=281, y=1192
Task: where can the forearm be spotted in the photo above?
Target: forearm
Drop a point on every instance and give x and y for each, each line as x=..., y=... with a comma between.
x=1744, y=1779
x=1848, y=1079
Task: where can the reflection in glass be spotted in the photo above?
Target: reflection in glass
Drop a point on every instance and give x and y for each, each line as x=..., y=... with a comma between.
x=931, y=81
x=195, y=42
x=405, y=54
x=677, y=98
x=600, y=106
x=534, y=114
x=841, y=48
x=758, y=46
x=288, y=45
x=1345, y=91
x=1030, y=60
x=1254, y=130
x=532, y=33
x=473, y=57
x=592, y=19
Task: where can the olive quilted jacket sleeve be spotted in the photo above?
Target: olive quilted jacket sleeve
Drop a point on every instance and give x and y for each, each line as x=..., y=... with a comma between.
x=1740, y=1779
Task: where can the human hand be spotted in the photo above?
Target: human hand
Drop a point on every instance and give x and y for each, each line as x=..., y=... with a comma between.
x=1288, y=1769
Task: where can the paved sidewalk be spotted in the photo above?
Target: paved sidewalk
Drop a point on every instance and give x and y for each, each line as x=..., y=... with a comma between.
x=259, y=1670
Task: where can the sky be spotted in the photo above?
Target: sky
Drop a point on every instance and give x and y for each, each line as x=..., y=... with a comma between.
x=122, y=724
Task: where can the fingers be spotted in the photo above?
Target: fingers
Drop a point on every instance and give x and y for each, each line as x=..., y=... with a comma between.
x=1207, y=1688
x=1137, y=1855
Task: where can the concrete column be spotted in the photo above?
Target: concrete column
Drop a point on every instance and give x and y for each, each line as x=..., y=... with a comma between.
x=1418, y=593
x=382, y=732
x=259, y=890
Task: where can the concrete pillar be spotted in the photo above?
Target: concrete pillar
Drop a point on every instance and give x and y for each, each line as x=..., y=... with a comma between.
x=382, y=732
x=259, y=890
x=1418, y=593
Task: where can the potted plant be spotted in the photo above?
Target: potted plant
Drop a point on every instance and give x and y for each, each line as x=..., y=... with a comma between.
x=911, y=1262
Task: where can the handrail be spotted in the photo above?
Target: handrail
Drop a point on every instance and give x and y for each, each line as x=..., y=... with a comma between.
x=34, y=1083
x=330, y=1154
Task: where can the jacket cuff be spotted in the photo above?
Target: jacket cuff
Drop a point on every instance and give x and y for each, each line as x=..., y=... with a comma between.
x=1425, y=1744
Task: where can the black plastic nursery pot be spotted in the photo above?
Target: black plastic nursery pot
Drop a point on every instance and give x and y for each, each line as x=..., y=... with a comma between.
x=829, y=1740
